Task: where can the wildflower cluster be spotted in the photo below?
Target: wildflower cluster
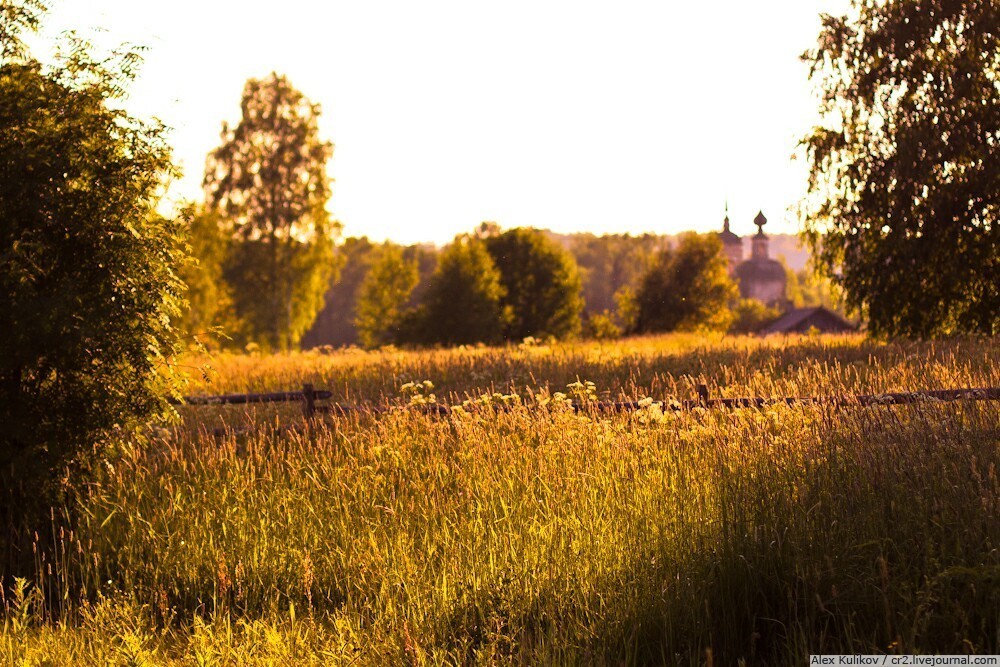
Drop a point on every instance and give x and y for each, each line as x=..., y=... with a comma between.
x=649, y=412
x=419, y=393
x=496, y=399
x=533, y=342
x=544, y=399
x=582, y=392
x=577, y=393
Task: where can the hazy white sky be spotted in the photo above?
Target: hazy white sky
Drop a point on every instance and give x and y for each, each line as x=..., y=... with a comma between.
x=576, y=116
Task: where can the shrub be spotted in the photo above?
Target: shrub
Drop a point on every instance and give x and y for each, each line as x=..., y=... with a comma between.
x=751, y=315
x=87, y=282
x=602, y=326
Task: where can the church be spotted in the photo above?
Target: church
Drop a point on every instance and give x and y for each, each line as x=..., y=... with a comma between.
x=758, y=277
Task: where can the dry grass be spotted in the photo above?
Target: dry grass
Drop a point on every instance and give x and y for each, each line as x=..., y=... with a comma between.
x=541, y=536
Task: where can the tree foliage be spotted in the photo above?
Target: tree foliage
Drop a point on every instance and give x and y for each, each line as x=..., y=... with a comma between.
x=88, y=289
x=807, y=288
x=16, y=18
x=383, y=294
x=751, y=315
x=611, y=263
x=463, y=302
x=268, y=180
x=601, y=326
x=687, y=288
x=541, y=284
x=209, y=308
x=334, y=324
x=904, y=185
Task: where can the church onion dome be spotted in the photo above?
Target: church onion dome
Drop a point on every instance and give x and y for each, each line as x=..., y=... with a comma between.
x=727, y=236
x=760, y=221
x=760, y=270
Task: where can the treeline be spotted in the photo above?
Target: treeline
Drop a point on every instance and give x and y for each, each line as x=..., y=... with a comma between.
x=377, y=282
x=492, y=286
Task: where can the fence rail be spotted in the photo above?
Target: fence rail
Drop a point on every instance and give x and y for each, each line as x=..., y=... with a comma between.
x=309, y=397
x=242, y=399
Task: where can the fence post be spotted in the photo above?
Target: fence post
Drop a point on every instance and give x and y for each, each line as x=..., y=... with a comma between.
x=702, y=390
x=308, y=401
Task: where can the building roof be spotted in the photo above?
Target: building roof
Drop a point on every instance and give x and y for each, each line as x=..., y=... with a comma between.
x=760, y=269
x=727, y=236
x=802, y=319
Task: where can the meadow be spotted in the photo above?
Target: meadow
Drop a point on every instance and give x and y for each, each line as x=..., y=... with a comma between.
x=539, y=534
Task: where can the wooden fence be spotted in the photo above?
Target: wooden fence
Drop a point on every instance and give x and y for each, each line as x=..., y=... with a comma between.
x=310, y=399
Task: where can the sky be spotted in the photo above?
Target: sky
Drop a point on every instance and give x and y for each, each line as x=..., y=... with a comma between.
x=597, y=116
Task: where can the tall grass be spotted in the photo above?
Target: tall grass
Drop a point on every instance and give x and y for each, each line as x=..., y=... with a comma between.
x=540, y=536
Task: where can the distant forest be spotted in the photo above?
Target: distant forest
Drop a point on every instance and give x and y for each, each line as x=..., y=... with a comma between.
x=607, y=264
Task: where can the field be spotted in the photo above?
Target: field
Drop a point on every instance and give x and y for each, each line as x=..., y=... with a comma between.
x=537, y=534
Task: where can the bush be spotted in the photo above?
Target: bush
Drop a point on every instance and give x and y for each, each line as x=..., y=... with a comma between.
x=602, y=326
x=750, y=316
x=208, y=318
x=87, y=284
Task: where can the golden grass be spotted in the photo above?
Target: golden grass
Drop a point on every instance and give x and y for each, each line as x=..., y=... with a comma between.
x=541, y=536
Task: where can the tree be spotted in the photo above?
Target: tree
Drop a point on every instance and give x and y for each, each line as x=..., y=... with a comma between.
x=611, y=263
x=268, y=180
x=334, y=324
x=541, y=284
x=687, y=288
x=209, y=301
x=463, y=302
x=383, y=294
x=904, y=186
x=88, y=288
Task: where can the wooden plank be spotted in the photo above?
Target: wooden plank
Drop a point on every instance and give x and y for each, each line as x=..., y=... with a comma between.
x=242, y=399
x=310, y=396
